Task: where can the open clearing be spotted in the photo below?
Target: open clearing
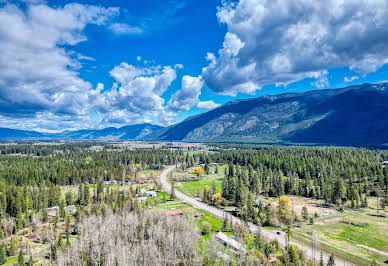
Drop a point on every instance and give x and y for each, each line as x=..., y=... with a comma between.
x=313, y=205
x=192, y=187
x=359, y=234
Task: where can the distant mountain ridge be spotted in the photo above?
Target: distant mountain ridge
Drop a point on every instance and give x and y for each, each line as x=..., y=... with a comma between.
x=355, y=115
x=131, y=132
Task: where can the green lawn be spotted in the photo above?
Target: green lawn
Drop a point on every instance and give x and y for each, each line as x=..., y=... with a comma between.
x=206, y=181
x=11, y=260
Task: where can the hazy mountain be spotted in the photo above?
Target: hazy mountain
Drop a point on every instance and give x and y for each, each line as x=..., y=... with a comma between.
x=132, y=132
x=15, y=134
x=356, y=115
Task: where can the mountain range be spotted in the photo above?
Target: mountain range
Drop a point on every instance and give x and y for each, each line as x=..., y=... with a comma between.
x=355, y=115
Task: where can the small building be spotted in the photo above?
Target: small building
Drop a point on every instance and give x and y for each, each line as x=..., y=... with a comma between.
x=152, y=194
x=71, y=209
x=144, y=192
x=230, y=242
x=110, y=182
x=142, y=199
x=53, y=211
x=175, y=212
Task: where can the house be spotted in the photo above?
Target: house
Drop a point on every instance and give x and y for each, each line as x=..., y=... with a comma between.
x=110, y=182
x=142, y=199
x=125, y=183
x=53, y=211
x=175, y=212
x=152, y=194
x=230, y=242
x=71, y=209
x=144, y=192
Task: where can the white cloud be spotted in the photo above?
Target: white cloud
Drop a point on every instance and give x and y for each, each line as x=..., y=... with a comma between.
x=40, y=86
x=36, y=73
x=347, y=79
x=187, y=97
x=207, y=105
x=125, y=29
x=282, y=41
x=136, y=96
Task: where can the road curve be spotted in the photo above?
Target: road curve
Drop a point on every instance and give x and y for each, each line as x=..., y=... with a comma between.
x=268, y=235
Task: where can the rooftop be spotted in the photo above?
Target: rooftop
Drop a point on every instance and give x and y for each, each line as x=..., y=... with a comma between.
x=230, y=242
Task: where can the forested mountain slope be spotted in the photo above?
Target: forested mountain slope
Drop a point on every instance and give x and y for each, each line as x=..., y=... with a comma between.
x=356, y=115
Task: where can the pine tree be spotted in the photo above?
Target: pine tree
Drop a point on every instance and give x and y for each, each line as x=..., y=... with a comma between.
x=3, y=255
x=331, y=261
x=21, y=261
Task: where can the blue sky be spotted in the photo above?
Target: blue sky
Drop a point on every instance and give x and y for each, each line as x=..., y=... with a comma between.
x=92, y=64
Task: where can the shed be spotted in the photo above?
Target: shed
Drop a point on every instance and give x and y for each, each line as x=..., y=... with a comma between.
x=175, y=212
x=230, y=242
x=71, y=209
x=53, y=211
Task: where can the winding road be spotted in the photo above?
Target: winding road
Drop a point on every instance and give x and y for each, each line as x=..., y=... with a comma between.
x=268, y=235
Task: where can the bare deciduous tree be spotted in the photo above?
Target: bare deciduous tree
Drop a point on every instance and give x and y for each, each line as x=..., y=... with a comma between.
x=134, y=238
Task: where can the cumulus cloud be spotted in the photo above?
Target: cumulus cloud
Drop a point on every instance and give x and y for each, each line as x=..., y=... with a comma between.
x=207, y=105
x=36, y=73
x=187, y=97
x=136, y=96
x=282, y=41
x=40, y=86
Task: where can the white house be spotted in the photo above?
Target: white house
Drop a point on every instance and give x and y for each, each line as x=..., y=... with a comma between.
x=148, y=193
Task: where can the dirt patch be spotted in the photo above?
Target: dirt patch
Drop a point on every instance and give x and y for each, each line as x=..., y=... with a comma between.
x=313, y=206
x=328, y=221
x=374, y=250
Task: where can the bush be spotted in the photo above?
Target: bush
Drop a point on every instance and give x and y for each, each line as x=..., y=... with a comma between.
x=206, y=227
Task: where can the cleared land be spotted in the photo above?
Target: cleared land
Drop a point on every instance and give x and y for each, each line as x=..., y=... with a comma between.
x=192, y=187
x=359, y=236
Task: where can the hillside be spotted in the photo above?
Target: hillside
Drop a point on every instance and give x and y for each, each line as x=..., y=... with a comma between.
x=356, y=115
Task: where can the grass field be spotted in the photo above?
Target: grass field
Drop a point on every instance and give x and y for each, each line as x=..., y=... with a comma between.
x=356, y=235
x=206, y=181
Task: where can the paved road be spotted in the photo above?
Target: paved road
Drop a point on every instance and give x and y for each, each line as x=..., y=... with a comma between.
x=268, y=235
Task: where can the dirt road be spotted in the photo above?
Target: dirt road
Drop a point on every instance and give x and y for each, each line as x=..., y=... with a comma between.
x=268, y=235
